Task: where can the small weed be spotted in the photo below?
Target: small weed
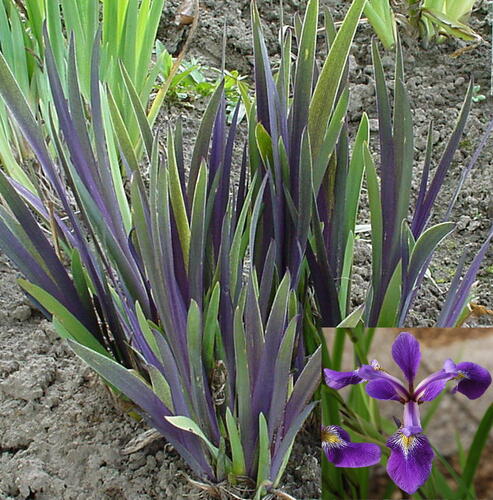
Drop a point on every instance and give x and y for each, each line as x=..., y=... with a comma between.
x=477, y=97
x=196, y=80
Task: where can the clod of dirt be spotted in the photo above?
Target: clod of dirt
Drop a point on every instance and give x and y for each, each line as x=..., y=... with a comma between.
x=21, y=313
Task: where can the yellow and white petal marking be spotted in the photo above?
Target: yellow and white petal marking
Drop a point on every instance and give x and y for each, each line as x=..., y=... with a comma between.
x=331, y=439
x=405, y=443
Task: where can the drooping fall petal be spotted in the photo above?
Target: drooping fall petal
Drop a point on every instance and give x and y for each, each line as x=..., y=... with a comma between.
x=410, y=462
x=473, y=379
x=338, y=380
x=341, y=452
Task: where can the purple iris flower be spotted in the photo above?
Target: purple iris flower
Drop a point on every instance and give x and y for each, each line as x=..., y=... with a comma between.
x=411, y=454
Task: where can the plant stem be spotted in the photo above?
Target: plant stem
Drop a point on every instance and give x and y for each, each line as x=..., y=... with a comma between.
x=414, y=10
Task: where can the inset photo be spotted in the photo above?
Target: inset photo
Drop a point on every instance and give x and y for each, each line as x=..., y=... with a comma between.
x=407, y=413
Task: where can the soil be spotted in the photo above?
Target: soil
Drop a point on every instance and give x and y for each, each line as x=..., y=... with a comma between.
x=61, y=435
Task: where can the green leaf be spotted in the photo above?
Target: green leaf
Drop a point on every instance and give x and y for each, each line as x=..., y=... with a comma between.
x=187, y=424
x=122, y=134
x=194, y=340
x=264, y=144
x=375, y=214
x=263, y=471
x=390, y=304
x=459, y=11
x=197, y=232
x=403, y=141
x=344, y=289
x=161, y=387
x=235, y=254
x=456, y=477
x=223, y=463
x=149, y=19
x=330, y=140
x=211, y=328
x=138, y=112
x=477, y=446
x=129, y=382
x=381, y=17
x=177, y=200
x=355, y=175
x=201, y=147
x=114, y=158
x=242, y=372
x=10, y=163
x=239, y=466
x=79, y=278
x=451, y=26
x=74, y=328
x=282, y=376
x=305, y=190
x=440, y=485
x=305, y=64
x=147, y=332
x=325, y=93
x=426, y=244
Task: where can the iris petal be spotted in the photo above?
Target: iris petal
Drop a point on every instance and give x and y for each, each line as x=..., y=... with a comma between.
x=338, y=380
x=475, y=379
x=382, y=389
x=407, y=355
x=433, y=390
x=449, y=366
x=373, y=373
x=410, y=462
x=341, y=452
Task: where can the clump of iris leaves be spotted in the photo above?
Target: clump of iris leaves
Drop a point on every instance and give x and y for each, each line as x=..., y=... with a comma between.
x=201, y=301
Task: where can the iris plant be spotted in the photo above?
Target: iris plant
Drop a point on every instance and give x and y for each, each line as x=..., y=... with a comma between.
x=411, y=454
x=156, y=299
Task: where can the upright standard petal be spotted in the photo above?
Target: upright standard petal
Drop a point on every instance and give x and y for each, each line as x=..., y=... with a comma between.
x=341, y=452
x=407, y=355
x=410, y=462
x=338, y=380
x=473, y=379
